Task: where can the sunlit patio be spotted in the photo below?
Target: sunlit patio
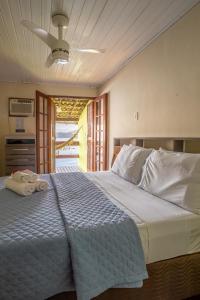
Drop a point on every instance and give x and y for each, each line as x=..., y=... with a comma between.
x=64, y=165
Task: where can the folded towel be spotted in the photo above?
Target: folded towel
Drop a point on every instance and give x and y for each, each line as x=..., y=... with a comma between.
x=41, y=185
x=21, y=188
x=25, y=176
x=33, y=176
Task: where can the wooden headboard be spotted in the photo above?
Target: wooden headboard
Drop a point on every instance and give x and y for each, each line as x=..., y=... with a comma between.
x=189, y=145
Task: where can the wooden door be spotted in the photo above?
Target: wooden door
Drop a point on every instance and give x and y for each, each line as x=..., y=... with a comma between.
x=90, y=136
x=44, y=133
x=53, y=137
x=98, y=134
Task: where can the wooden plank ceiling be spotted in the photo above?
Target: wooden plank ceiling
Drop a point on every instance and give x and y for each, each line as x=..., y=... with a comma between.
x=69, y=109
x=122, y=27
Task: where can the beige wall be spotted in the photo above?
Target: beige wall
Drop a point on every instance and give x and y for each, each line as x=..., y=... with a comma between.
x=162, y=84
x=7, y=125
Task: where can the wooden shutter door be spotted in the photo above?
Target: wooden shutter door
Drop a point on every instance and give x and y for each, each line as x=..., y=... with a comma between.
x=52, y=139
x=44, y=131
x=90, y=137
x=100, y=133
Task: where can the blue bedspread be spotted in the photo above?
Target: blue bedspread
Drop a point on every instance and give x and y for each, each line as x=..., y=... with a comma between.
x=72, y=231
x=34, y=253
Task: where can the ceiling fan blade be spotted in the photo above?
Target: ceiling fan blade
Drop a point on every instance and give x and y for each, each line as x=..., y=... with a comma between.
x=42, y=34
x=89, y=50
x=49, y=61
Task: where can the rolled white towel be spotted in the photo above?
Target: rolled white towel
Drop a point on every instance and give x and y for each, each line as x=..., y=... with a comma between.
x=21, y=188
x=41, y=185
x=25, y=176
x=20, y=177
x=33, y=176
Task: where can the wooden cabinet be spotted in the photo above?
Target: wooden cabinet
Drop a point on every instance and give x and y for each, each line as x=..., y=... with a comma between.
x=20, y=153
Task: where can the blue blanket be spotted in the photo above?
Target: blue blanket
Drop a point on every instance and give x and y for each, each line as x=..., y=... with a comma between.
x=34, y=253
x=70, y=235
x=105, y=245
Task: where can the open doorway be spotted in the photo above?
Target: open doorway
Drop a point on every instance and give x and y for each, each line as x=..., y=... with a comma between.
x=71, y=133
x=68, y=154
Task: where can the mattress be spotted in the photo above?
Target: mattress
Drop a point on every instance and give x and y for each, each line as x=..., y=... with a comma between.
x=166, y=230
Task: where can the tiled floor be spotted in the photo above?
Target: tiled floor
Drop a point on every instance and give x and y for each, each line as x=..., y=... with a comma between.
x=67, y=165
x=67, y=169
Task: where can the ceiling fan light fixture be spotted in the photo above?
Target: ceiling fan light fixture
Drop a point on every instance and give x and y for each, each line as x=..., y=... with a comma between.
x=61, y=61
x=61, y=56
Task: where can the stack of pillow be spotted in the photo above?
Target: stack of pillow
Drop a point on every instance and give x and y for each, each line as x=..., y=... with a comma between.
x=25, y=183
x=172, y=176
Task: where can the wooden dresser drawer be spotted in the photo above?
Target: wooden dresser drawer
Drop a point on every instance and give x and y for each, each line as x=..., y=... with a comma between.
x=20, y=153
x=17, y=160
x=20, y=149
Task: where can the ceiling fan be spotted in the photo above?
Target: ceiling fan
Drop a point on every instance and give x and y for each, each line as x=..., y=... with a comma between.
x=59, y=47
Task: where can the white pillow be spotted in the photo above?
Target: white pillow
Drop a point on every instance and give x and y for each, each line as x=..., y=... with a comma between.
x=173, y=176
x=129, y=162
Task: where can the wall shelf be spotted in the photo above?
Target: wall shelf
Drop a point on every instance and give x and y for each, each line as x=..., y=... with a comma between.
x=189, y=145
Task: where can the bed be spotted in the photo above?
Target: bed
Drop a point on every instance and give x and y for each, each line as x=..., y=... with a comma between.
x=171, y=242
x=170, y=238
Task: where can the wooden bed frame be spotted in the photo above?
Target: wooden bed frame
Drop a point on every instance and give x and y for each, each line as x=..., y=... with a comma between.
x=172, y=279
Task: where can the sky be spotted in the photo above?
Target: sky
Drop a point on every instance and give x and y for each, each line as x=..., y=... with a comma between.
x=65, y=130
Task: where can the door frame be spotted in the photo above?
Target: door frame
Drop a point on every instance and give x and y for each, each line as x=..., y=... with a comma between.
x=103, y=97
x=49, y=131
x=90, y=137
x=73, y=97
x=94, y=124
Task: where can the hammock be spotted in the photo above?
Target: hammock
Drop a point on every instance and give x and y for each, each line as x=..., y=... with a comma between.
x=68, y=142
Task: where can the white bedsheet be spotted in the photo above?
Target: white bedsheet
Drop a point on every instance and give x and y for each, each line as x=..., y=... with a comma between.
x=166, y=230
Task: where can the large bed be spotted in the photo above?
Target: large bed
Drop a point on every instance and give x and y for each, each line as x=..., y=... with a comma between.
x=166, y=230
x=170, y=237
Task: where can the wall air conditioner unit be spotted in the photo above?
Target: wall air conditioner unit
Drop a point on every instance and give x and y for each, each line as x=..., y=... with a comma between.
x=21, y=107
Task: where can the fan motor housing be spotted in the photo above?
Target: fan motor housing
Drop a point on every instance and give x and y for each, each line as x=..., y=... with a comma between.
x=60, y=19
